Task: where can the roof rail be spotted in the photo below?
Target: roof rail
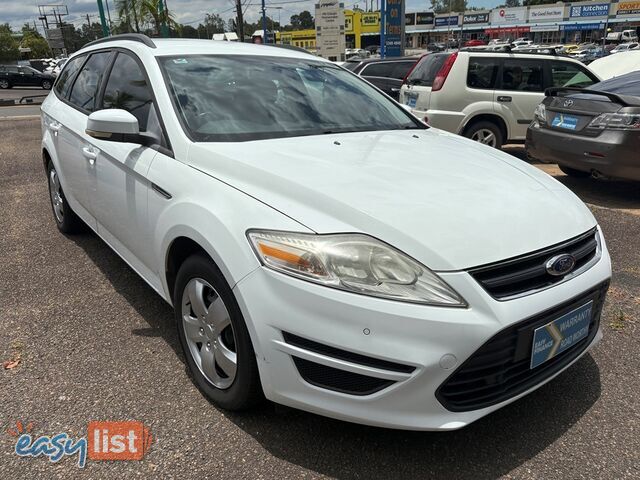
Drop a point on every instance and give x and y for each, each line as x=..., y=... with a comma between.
x=134, y=37
x=534, y=51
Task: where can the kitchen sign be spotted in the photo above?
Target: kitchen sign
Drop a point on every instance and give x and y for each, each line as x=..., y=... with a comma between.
x=594, y=10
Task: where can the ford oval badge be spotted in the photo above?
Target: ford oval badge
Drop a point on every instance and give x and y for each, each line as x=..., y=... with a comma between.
x=560, y=264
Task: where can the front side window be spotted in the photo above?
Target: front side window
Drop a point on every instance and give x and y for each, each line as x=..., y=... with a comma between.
x=85, y=88
x=522, y=75
x=240, y=98
x=483, y=73
x=567, y=74
x=127, y=89
x=63, y=84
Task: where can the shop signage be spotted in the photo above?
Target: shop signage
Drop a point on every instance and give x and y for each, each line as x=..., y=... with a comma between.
x=424, y=18
x=472, y=18
x=582, y=26
x=444, y=21
x=348, y=23
x=506, y=16
x=370, y=19
x=628, y=8
x=544, y=28
x=595, y=10
x=409, y=18
x=546, y=13
x=394, y=28
x=330, y=27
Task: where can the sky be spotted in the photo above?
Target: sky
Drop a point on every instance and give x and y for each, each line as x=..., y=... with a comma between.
x=17, y=12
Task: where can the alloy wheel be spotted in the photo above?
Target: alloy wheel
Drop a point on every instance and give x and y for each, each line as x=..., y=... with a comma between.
x=46, y=85
x=4, y=84
x=57, y=200
x=485, y=136
x=209, y=333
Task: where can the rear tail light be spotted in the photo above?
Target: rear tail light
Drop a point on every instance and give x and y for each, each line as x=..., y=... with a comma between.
x=617, y=121
x=443, y=73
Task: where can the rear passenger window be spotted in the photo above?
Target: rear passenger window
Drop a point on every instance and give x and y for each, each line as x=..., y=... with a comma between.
x=524, y=75
x=63, y=84
x=85, y=88
x=384, y=69
x=567, y=74
x=483, y=73
x=127, y=89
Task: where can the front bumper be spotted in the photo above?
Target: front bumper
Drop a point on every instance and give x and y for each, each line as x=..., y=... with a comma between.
x=612, y=153
x=434, y=341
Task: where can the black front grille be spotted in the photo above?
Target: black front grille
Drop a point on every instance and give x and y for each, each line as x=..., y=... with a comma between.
x=339, y=380
x=500, y=369
x=528, y=273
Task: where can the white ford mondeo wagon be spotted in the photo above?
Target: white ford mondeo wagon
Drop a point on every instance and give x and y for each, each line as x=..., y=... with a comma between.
x=322, y=247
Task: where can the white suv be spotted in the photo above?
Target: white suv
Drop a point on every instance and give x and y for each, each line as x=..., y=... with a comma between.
x=320, y=245
x=489, y=97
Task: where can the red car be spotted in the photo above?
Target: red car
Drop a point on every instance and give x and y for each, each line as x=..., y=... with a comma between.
x=474, y=43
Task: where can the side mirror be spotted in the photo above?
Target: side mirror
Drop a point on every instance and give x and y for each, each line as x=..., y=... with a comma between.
x=114, y=125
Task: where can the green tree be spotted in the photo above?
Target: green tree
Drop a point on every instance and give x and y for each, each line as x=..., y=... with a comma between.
x=446, y=6
x=302, y=21
x=38, y=45
x=152, y=14
x=8, y=46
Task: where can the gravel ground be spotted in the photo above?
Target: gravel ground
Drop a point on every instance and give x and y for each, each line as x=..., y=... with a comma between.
x=95, y=343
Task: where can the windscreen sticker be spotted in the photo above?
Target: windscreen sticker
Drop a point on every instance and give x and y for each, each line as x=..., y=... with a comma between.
x=180, y=61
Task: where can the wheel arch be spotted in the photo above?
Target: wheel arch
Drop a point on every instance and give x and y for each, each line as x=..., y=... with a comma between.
x=487, y=117
x=179, y=250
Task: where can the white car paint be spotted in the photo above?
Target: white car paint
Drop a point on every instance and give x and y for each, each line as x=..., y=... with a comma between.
x=447, y=202
x=616, y=65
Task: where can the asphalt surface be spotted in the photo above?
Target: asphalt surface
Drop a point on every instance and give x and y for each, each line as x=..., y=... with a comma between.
x=95, y=343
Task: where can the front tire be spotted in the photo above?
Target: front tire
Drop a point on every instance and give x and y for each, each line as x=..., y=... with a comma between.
x=214, y=336
x=66, y=219
x=485, y=132
x=46, y=84
x=572, y=172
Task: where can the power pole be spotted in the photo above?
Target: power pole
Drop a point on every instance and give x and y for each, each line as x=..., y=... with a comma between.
x=264, y=24
x=239, y=20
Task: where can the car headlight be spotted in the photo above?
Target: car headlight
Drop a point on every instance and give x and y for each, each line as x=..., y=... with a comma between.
x=353, y=262
x=540, y=113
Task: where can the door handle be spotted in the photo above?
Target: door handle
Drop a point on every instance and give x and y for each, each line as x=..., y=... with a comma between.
x=395, y=89
x=504, y=99
x=90, y=155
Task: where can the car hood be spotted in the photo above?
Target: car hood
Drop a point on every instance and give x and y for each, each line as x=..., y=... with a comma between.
x=447, y=201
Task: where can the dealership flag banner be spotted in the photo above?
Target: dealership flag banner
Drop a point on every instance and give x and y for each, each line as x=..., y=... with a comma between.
x=330, y=41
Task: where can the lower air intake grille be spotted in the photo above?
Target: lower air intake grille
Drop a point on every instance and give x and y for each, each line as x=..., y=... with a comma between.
x=339, y=380
x=500, y=369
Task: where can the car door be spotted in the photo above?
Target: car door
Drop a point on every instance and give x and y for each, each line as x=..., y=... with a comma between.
x=122, y=168
x=75, y=154
x=28, y=77
x=381, y=75
x=14, y=77
x=569, y=74
x=519, y=90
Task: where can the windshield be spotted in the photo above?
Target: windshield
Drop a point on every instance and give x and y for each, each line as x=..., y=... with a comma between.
x=222, y=98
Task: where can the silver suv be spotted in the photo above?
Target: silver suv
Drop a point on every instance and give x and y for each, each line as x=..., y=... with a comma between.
x=489, y=97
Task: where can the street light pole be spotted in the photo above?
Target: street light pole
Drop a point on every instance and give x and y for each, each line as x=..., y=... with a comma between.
x=264, y=23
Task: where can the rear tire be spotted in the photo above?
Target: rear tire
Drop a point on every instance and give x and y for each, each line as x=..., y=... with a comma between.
x=66, y=219
x=572, y=172
x=214, y=336
x=485, y=132
x=4, y=83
